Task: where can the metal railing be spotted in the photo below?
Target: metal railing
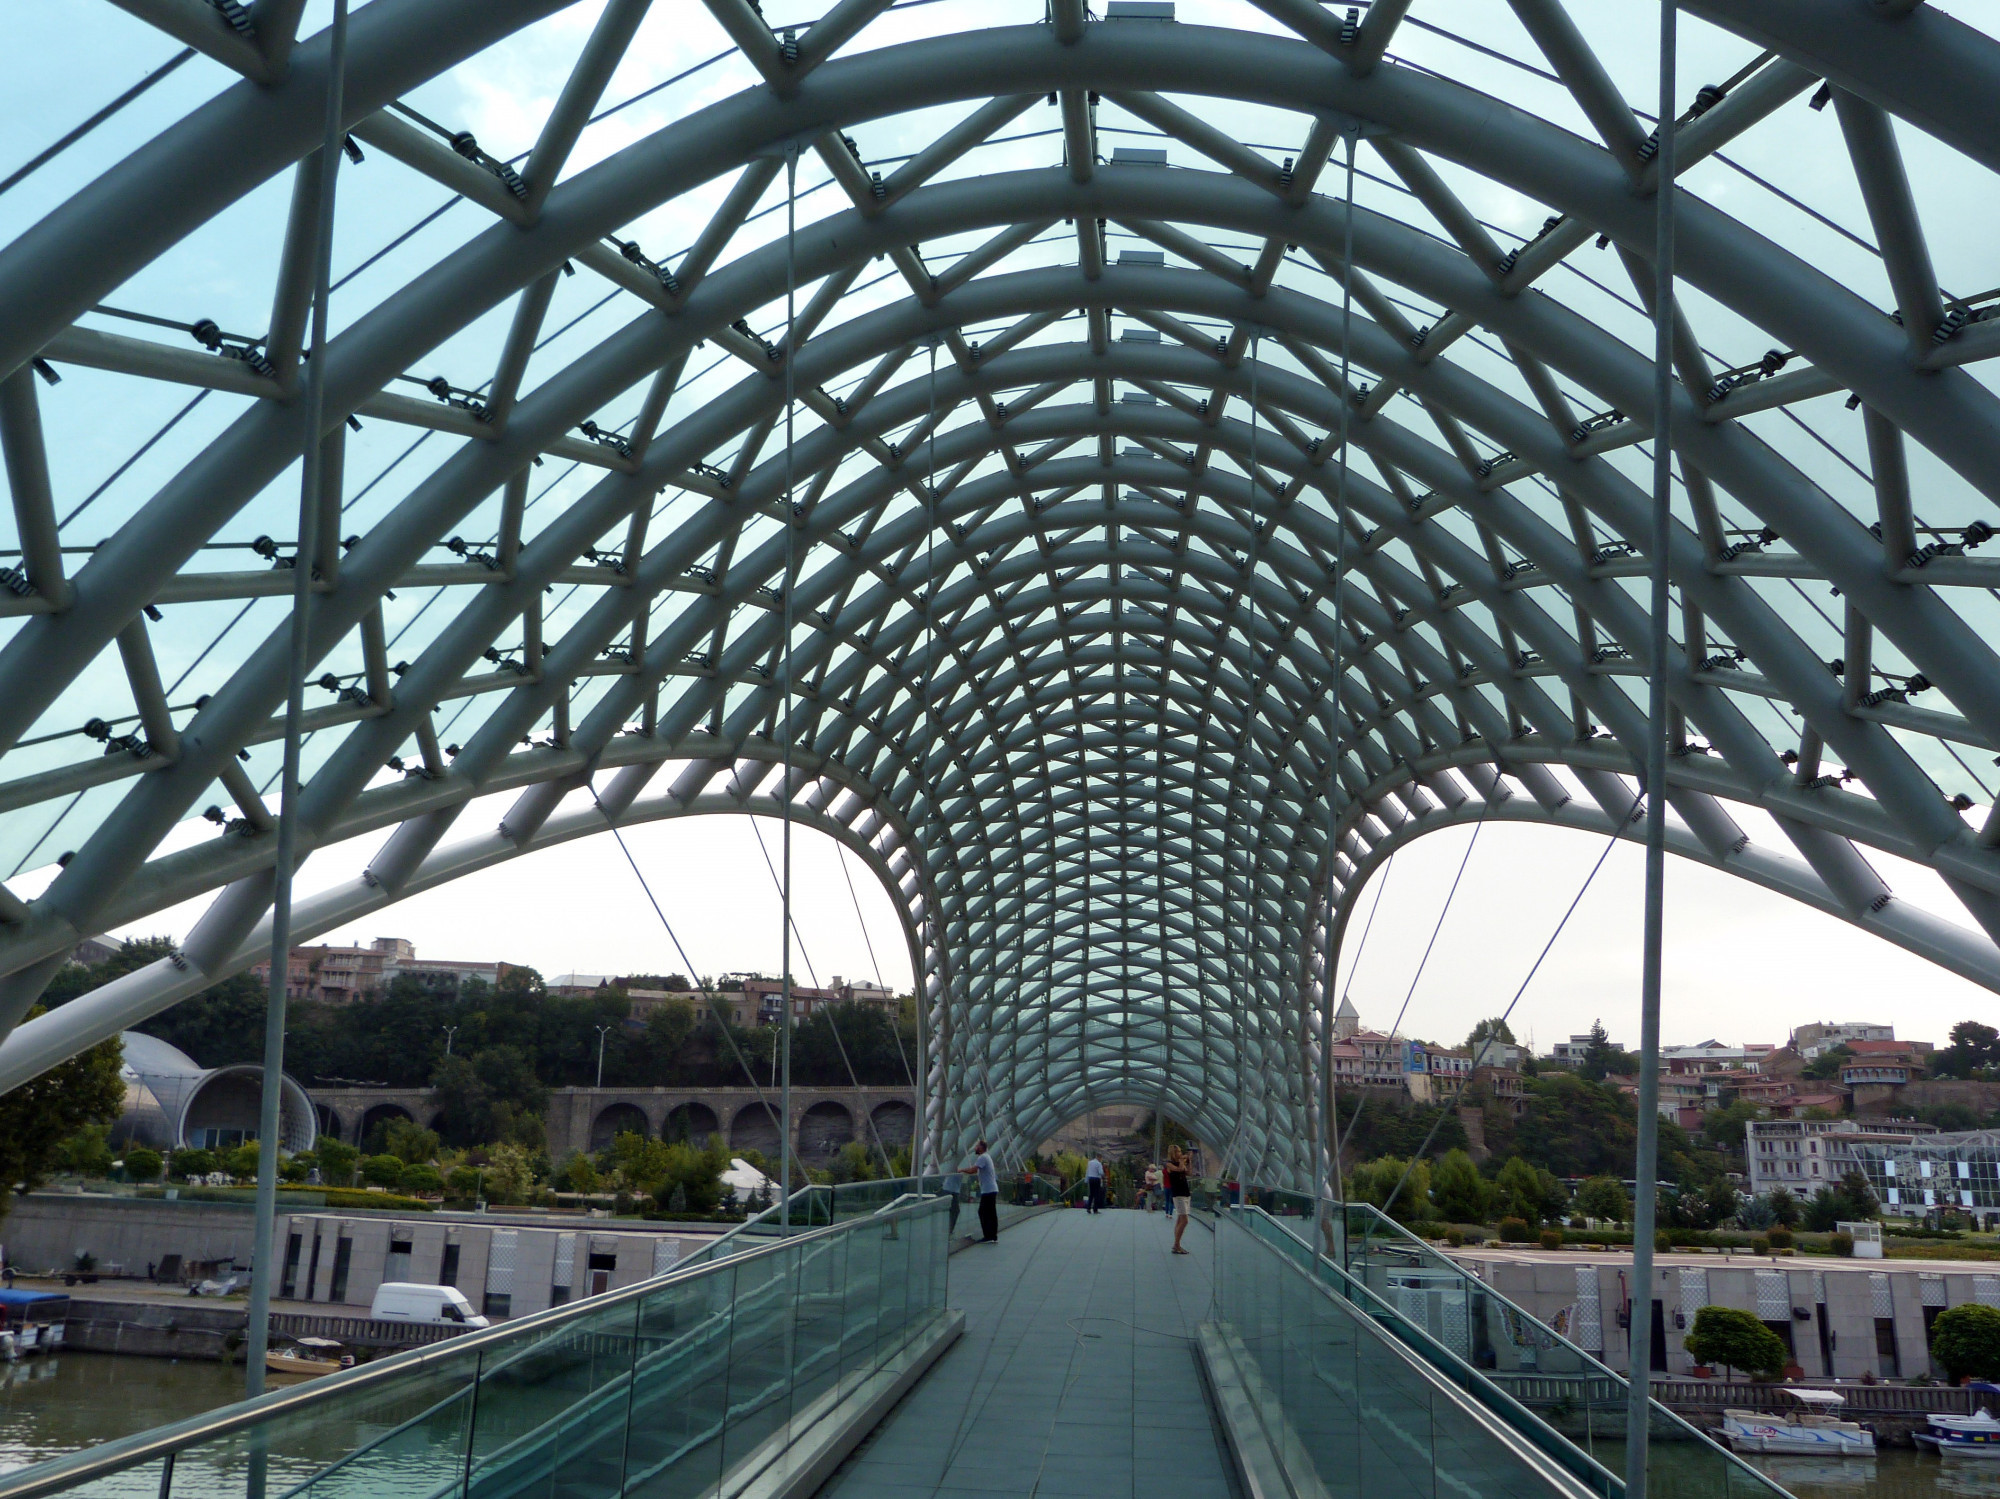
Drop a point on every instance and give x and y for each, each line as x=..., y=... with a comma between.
x=692, y=1373
x=1441, y=1306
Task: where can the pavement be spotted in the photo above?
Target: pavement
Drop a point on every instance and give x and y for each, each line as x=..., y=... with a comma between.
x=1076, y=1374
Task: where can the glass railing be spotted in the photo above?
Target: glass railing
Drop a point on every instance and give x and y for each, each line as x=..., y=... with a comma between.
x=1331, y=1377
x=670, y=1387
x=1438, y=1305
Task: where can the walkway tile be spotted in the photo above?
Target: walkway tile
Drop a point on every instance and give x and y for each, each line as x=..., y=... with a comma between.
x=1076, y=1374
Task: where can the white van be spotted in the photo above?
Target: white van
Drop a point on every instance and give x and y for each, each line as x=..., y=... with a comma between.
x=407, y=1301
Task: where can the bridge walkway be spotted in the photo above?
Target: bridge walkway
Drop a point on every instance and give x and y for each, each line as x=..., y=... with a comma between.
x=1076, y=1374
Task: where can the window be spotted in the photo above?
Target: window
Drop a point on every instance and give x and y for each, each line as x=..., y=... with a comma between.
x=286, y=1284
x=448, y=1268
x=343, y=1251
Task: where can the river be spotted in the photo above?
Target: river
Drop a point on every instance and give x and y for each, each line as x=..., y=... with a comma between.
x=1896, y=1473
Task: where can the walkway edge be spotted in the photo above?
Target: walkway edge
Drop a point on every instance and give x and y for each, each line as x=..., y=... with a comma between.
x=967, y=1241
x=1236, y=1390
x=797, y=1469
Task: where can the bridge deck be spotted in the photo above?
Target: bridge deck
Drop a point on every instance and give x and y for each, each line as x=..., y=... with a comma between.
x=1076, y=1374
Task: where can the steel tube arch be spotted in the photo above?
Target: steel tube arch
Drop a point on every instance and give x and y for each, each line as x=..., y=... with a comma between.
x=1129, y=722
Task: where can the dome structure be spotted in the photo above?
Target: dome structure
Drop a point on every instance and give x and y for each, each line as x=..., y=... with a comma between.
x=1167, y=468
x=172, y=1102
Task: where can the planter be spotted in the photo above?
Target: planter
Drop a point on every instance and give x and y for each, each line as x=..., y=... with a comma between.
x=1794, y=1371
x=1702, y=1371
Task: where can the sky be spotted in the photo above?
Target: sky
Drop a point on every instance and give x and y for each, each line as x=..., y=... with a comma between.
x=1742, y=963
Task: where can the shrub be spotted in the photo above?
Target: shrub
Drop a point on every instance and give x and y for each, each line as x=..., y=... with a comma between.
x=1760, y=1245
x=1513, y=1231
x=1842, y=1243
x=1966, y=1341
x=336, y=1162
x=241, y=1162
x=1454, y=1239
x=1736, y=1340
x=463, y=1182
x=1781, y=1238
x=1662, y=1242
x=1603, y=1198
x=382, y=1170
x=143, y=1165
x=1552, y=1238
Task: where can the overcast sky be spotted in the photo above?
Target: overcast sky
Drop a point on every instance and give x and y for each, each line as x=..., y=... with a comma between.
x=1742, y=964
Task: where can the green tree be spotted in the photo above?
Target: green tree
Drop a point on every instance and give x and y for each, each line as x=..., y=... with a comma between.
x=1826, y=1066
x=579, y=1175
x=241, y=1161
x=1966, y=1341
x=489, y=1096
x=381, y=1170
x=336, y=1162
x=40, y=1114
x=1376, y=1183
x=1494, y=1028
x=1601, y=1059
x=1950, y=1117
x=1575, y=1127
x=1974, y=1049
x=1458, y=1190
x=420, y=1179
x=1725, y=1126
x=87, y=1152
x=193, y=1161
x=409, y=1142
x=1736, y=1340
x=143, y=1165
x=510, y=1175
x=1784, y=1207
x=1850, y=1202
x=1525, y=1191
x=1604, y=1198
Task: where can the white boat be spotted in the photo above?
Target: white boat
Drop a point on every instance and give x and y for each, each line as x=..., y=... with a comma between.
x=1816, y=1431
x=1962, y=1436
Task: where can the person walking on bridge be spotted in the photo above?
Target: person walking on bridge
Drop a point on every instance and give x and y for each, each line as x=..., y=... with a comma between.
x=1177, y=1193
x=989, y=1193
x=1093, y=1185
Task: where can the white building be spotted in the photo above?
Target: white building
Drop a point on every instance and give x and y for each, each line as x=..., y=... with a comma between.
x=1804, y=1155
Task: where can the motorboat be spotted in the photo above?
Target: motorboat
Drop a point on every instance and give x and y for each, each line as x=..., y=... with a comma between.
x=1816, y=1430
x=1977, y=1435
x=309, y=1358
x=31, y=1322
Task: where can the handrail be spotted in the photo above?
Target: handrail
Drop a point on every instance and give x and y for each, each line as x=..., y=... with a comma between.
x=1596, y=1482
x=63, y=1473
x=1594, y=1367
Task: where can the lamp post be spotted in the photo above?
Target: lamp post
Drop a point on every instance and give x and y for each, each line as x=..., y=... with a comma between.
x=449, y=1032
x=601, y=1032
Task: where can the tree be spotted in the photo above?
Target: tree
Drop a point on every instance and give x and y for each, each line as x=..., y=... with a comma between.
x=143, y=1165
x=489, y=1096
x=1527, y=1192
x=510, y=1175
x=1604, y=1198
x=421, y=1179
x=1966, y=1341
x=1736, y=1340
x=1950, y=1117
x=336, y=1162
x=1975, y=1048
x=40, y=1114
x=1493, y=1028
x=1458, y=1190
x=87, y=1152
x=1784, y=1207
x=193, y=1161
x=381, y=1170
x=1575, y=1127
x=1850, y=1202
x=1826, y=1066
x=1725, y=1126
x=409, y=1142
x=1601, y=1059
x=1376, y=1183
x=241, y=1161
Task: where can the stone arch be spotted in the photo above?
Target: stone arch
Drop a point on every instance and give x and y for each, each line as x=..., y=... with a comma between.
x=617, y=1119
x=755, y=1127
x=824, y=1128
x=893, y=1123
x=329, y=1120
x=690, y=1121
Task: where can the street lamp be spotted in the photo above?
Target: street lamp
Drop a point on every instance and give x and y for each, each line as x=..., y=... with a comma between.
x=601, y=1031
x=449, y=1032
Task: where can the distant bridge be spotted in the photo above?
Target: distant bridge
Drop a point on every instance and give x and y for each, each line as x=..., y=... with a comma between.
x=587, y=1119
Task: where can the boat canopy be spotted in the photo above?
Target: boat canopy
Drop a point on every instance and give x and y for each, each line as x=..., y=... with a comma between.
x=30, y=1298
x=1827, y=1398
x=317, y=1343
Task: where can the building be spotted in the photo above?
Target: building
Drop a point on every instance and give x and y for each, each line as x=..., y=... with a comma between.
x=1810, y=1040
x=1921, y=1173
x=172, y=1102
x=1571, y=1053
x=325, y=974
x=1706, y=1057
x=1881, y=1063
x=768, y=996
x=1804, y=1155
x=1432, y=1074
x=577, y=985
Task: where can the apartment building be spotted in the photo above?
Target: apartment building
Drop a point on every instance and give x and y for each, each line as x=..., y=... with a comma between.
x=1804, y=1155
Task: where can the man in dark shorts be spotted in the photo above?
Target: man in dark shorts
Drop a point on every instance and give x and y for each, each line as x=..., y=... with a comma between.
x=989, y=1193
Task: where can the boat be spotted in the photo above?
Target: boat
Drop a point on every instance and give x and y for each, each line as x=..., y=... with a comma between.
x=1977, y=1435
x=1817, y=1430
x=309, y=1358
x=31, y=1322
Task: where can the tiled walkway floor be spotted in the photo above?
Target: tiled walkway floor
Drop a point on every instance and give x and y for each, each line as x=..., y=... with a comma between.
x=1076, y=1374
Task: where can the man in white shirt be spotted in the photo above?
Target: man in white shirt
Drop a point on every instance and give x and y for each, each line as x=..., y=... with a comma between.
x=1093, y=1184
x=989, y=1193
